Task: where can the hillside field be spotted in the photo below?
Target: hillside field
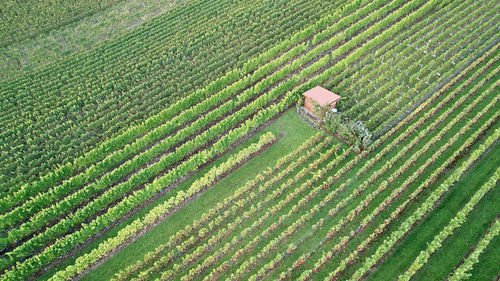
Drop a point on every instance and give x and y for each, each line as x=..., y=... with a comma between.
x=171, y=140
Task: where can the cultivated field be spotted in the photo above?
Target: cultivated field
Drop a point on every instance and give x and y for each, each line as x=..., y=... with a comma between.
x=162, y=140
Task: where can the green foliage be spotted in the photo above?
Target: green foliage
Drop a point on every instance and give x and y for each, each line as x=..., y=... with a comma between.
x=460, y=273
x=426, y=206
x=116, y=90
x=65, y=208
x=354, y=132
x=20, y=20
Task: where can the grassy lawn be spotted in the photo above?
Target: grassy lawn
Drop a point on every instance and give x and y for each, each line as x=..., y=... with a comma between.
x=485, y=211
x=295, y=133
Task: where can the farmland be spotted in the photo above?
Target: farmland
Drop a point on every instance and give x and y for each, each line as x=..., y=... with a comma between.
x=167, y=143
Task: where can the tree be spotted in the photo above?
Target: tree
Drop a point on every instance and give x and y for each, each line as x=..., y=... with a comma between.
x=355, y=133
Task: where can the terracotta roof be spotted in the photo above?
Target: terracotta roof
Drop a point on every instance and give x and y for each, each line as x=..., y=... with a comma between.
x=322, y=95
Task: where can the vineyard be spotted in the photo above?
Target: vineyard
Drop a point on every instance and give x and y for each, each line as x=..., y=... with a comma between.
x=164, y=140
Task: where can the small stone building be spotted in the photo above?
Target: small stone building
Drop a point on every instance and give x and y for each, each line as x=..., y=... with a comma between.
x=321, y=96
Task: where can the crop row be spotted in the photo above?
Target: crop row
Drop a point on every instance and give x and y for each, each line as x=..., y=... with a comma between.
x=271, y=246
x=208, y=179
x=365, y=202
x=433, y=68
x=445, y=101
x=429, y=203
x=198, y=96
x=278, y=259
x=122, y=109
x=267, y=188
x=406, y=101
x=108, y=118
x=402, y=136
x=391, y=54
x=460, y=273
x=78, y=196
x=283, y=167
x=364, y=244
x=112, y=113
x=413, y=62
x=420, y=32
x=144, y=175
x=92, y=172
x=84, y=261
x=395, y=192
x=156, y=138
x=54, y=212
x=149, y=99
x=347, y=82
x=130, y=43
x=26, y=19
x=52, y=97
x=454, y=223
x=36, y=262
x=324, y=61
x=89, y=228
x=258, y=222
x=384, y=58
x=260, y=256
x=482, y=42
x=149, y=190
